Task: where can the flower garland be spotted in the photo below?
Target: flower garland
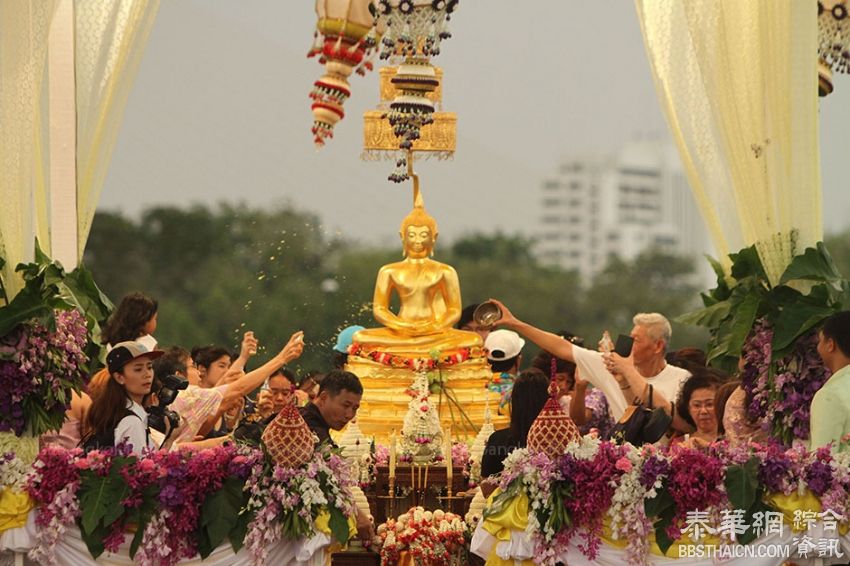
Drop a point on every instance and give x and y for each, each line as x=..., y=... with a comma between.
x=39, y=367
x=626, y=515
x=537, y=477
x=285, y=502
x=639, y=490
x=53, y=484
x=182, y=503
x=437, y=360
x=784, y=387
x=429, y=538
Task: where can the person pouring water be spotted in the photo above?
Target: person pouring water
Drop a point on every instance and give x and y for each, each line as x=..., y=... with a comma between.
x=623, y=380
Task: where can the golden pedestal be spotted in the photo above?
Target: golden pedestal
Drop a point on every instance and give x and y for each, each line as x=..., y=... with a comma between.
x=385, y=397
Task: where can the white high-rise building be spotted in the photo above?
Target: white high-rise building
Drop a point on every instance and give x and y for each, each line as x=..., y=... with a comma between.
x=621, y=204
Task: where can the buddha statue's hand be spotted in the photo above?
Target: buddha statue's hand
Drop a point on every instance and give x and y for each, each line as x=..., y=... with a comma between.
x=293, y=348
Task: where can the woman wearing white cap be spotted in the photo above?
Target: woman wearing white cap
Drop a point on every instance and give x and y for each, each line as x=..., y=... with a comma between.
x=118, y=414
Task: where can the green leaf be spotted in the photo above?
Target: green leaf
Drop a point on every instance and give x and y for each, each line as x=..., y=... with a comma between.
x=747, y=263
x=219, y=515
x=730, y=337
x=742, y=483
x=794, y=320
x=758, y=506
x=137, y=541
x=142, y=515
x=814, y=264
x=240, y=530
x=720, y=292
x=709, y=317
x=100, y=498
x=659, y=504
x=663, y=541
x=338, y=524
x=86, y=295
x=94, y=539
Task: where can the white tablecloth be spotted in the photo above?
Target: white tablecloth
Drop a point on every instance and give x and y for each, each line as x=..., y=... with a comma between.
x=71, y=550
x=520, y=548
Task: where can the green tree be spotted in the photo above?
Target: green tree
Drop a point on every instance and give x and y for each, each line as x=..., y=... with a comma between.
x=654, y=282
x=220, y=271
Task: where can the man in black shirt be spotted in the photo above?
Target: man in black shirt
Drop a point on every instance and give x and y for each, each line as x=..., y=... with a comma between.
x=334, y=406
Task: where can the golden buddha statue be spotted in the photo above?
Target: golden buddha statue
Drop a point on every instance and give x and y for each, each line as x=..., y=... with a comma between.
x=387, y=359
x=429, y=296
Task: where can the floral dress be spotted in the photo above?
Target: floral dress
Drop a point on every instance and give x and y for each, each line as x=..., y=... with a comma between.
x=600, y=418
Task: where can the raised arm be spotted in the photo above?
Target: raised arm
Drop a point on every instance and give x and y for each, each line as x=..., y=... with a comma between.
x=250, y=381
x=552, y=343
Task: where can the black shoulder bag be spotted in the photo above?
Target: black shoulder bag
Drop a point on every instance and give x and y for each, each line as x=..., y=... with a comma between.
x=641, y=425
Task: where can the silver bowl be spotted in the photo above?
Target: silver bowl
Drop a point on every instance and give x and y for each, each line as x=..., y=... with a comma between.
x=487, y=314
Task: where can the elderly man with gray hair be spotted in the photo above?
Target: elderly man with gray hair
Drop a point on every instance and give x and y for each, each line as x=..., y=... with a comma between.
x=623, y=380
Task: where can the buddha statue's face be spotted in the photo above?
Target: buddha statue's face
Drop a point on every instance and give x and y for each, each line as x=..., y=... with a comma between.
x=418, y=241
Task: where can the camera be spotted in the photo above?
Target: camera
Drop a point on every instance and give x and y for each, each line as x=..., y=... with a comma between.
x=166, y=390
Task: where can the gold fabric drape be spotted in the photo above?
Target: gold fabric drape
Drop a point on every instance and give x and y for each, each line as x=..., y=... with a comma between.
x=110, y=37
x=737, y=82
x=24, y=27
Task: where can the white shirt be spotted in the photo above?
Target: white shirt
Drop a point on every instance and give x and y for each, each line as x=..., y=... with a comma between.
x=133, y=429
x=667, y=382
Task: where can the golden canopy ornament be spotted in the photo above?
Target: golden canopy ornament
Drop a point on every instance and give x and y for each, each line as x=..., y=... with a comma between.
x=415, y=30
x=437, y=139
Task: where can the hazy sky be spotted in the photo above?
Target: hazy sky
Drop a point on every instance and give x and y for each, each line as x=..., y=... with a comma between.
x=220, y=112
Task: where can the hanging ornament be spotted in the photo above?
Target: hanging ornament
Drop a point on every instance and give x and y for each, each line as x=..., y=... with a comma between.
x=414, y=32
x=345, y=39
x=833, y=42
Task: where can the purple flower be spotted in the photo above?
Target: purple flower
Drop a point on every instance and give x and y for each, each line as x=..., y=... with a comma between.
x=170, y=496
x=819, y=472
x=653, y=468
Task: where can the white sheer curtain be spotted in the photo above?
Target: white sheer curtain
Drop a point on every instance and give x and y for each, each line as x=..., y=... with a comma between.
x=24, y=27
x=737, y=81
x=111, y=37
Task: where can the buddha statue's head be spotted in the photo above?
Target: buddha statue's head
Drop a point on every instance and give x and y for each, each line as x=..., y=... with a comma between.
x=418, y=233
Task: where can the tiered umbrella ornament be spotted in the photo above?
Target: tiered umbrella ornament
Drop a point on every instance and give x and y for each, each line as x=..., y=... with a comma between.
x=833, y=42
x=345, y=40
x=414, y=32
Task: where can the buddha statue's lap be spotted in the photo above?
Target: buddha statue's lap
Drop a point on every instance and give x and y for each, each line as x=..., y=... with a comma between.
x=392, y=342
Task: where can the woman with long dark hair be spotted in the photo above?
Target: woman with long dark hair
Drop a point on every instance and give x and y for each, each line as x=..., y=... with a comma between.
x=118, y=413
x=530, y=392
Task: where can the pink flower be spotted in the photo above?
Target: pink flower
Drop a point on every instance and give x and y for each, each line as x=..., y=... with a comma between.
x=624, y=465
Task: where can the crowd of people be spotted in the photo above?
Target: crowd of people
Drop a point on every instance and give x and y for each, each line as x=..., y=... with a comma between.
x=176, y=397
x=597, y=388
